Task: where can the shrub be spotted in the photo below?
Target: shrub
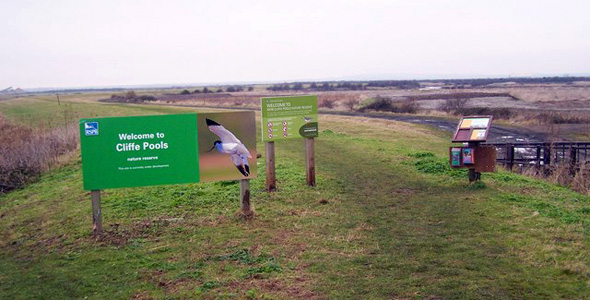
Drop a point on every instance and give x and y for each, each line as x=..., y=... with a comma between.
x=498, y=113
x=185, y=92
x=453, y=105
x=408, y=107
x=561, y=118
x=386, y=104
x=130, y=95
x=350, y=103
x=25, y=153
x=379, y=104
x=147, y=98
x=327, y=103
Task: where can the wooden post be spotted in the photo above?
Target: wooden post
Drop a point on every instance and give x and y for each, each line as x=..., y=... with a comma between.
x=96, y=213
x=271, y=177
x=57, y=99
x=573, y=159
x=245, y=198
x=509, y=156
x=310, y=161
x=473, y=175
x=538, y=160
x=546, y=158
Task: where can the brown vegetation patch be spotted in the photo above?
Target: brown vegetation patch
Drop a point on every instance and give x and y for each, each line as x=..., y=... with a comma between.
x=404, y=191
x=296, y=288
x=464, y=95
x=25, y=153
x=117, y=235
x=169, y=286
x=141, y=296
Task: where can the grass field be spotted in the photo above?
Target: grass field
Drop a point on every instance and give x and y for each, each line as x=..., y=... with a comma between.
x=388, y=220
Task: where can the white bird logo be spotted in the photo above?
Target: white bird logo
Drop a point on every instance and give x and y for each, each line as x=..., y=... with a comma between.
x=229, y=144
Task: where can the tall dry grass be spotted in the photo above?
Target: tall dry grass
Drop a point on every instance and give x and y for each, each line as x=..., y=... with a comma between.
x=581, y=181
x=25, y=153
x=578, y=181
x=562, y=175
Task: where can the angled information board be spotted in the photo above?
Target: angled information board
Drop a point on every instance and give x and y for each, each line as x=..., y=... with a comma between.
x=289, y=117
x=473, y=129
x=167, y=149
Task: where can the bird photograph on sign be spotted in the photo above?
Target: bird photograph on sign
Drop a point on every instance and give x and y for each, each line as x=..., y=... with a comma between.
x=227, y=146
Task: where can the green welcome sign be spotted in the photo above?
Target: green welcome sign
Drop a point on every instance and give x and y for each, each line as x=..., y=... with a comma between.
x=289, y=117
x=164, y=149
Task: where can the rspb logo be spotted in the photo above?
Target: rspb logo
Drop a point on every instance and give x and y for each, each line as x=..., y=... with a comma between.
x=91, y=128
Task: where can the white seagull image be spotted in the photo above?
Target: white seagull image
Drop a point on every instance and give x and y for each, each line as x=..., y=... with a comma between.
x=229, y=144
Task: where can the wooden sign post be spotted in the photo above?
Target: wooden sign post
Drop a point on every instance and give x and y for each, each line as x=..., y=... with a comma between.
x=285, y=118
x=310, y=161
x=96, y=213
x=245, y=198
x=271, y=177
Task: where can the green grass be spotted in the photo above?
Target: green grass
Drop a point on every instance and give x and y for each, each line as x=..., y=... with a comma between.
x=44, y=111
x=386, y=221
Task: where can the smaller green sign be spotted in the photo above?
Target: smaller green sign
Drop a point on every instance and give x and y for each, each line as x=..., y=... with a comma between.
x=289, y=117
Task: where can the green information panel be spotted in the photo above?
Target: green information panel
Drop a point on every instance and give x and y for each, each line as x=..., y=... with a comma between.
x=289, y=117
x=167, y=149
x=139, y=151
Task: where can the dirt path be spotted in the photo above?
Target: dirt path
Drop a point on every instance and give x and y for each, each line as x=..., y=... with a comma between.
x=498, y=134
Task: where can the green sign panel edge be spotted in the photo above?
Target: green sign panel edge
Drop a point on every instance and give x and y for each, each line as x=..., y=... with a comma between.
x=288, y=117
x=139, y=151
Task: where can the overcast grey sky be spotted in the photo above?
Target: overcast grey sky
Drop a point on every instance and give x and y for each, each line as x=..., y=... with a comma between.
x=63, y=43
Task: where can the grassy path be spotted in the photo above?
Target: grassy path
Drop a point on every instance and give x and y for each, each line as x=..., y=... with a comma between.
x=388, y=220
x=422, y=236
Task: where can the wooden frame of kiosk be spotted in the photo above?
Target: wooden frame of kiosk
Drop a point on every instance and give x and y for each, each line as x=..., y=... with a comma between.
x=473, y=130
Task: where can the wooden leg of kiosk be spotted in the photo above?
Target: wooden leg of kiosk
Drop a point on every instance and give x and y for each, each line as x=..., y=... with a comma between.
x=473, y=175
x=245, y=198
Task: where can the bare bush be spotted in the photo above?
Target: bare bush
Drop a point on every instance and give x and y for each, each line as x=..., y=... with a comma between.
x=497, y=112
x=25, y=153
x=553, y=117
x=350, y=103
x=379, y=104
x=326, y=103
x=453, y=105
x=387, y=104
x=408, y=107
x=130, y=95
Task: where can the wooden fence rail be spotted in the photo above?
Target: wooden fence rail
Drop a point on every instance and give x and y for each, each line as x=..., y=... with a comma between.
x=543, y=155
